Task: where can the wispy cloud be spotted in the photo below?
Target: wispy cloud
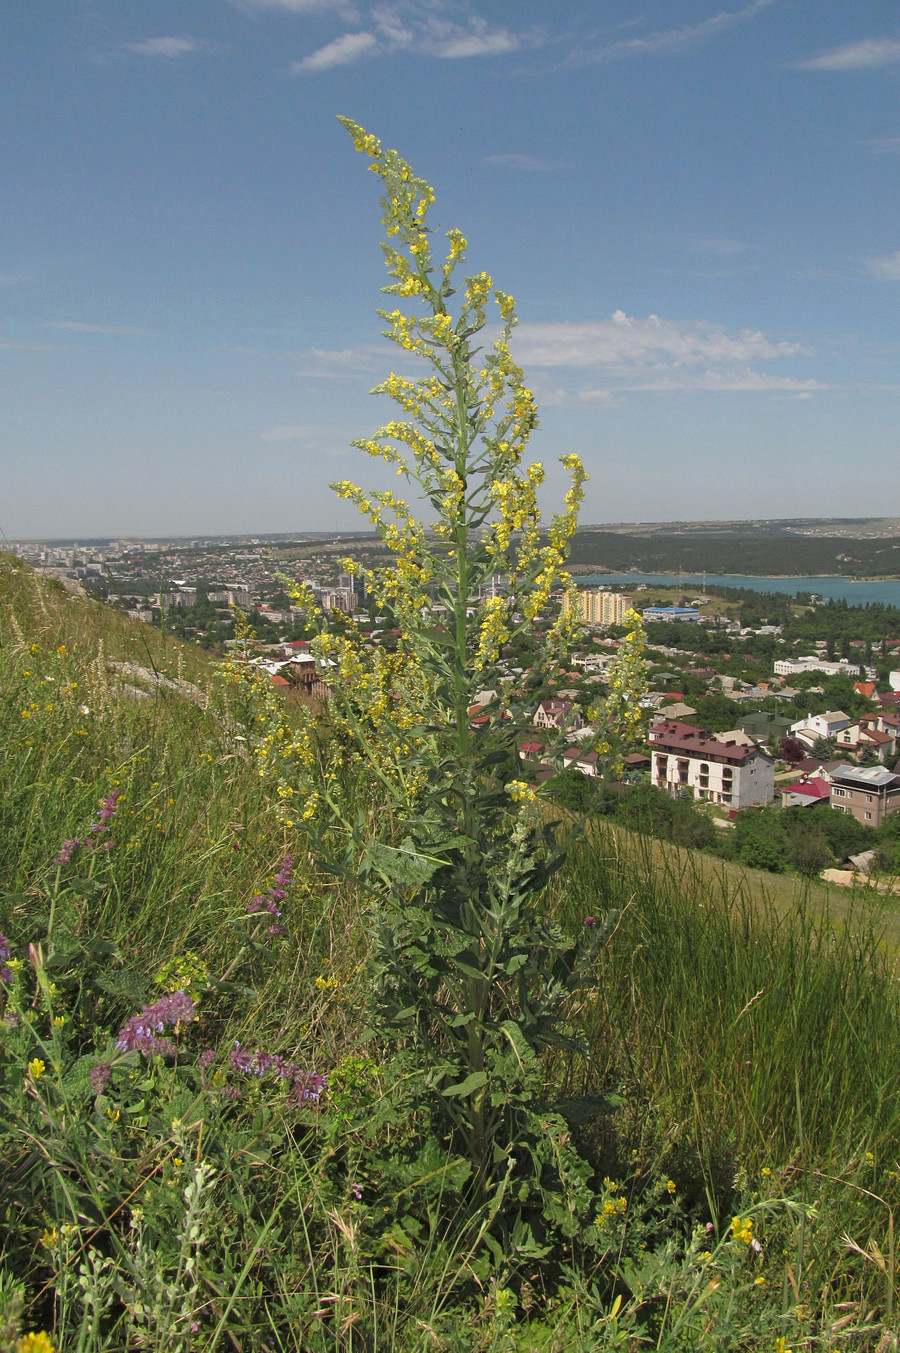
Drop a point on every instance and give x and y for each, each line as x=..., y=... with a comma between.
x=450, y=42
x=290, y=432
x=675, y=39
x=529, y=163
x=884, y=266
x=867, y=54
x=14, y=345
x=349, y=47
x=402, y=27
x=884, y=145
x=654, y=355
x=344, y=8
x=625, y=342
x=79, y=327
x=341, y=363
x=722, y=248
x=167, y=47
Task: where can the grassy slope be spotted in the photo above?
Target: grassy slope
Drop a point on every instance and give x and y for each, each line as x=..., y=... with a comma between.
x=746, y=1035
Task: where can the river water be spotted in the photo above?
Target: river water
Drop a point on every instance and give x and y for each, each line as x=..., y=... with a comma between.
x=854, y=591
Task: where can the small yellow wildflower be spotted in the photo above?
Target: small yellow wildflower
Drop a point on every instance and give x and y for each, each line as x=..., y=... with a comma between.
x=50, y=1237
x=58, y=1021
x=35, y=1343
x=869, y=1156
x=36, y=1068
x=766, y=1172
x=742, y=1229
x=671, y=1186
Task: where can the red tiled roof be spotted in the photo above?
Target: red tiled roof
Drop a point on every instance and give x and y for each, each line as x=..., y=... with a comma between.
x=813, y=789
x=675, y=738
x=278, y=680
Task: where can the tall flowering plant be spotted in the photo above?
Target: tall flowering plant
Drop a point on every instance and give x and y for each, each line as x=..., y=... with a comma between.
x=471, y=977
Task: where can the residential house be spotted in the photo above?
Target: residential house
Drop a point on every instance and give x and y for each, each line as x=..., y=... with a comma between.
x=557, y=713
x=806, y=793
x=815, y=726
x=718, y=769
x=868, y=793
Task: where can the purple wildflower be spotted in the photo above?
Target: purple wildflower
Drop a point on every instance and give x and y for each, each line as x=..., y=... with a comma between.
x=207, y=1057
x=99, y=1077
x=230, y=1092
x=140, y=1032
x=303, y=1085
x=107, y=811
x=276, y=930
x=5, y=972
x=67, y=850
x=269, y=900
x=590, y=922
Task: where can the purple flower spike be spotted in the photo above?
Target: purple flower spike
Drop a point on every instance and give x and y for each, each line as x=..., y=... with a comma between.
x=67, y=850
x=5, y=972
x=304, y=1086
x=140, y=1033
x=590, y=922
x=99, y=1077
x=107, y=812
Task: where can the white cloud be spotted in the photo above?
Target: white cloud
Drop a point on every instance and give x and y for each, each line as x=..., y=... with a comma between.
x=165, y=47
x=13, y=345
x=77, y=326
x=342, y=7
x=624, y=343
x=530, y=163
x=656, y=356
x=864, y=55
x=885, y=266
x=674, y=39
x=722, y=248
x=342, y=363
x=349, y=47
x=744, y=380
x=480, y=40
x=288, y=432
x=402, y=27
x=885, y=145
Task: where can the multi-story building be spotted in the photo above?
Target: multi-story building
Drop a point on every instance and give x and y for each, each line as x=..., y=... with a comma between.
x=729, y=768
x=868, y=793
x=599, y=607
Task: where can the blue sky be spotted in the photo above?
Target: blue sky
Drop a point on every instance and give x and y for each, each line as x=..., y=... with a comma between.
x=694, y=203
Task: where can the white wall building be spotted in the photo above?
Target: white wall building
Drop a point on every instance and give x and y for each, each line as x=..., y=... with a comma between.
x=717, y=769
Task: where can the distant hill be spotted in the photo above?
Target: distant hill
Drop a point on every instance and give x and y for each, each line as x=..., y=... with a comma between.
x=860, y=548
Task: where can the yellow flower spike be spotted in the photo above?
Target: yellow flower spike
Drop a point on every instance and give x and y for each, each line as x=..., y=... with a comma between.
x=36, y=1068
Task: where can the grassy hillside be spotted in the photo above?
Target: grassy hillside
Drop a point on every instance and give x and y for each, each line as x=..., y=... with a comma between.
x=207, y=1196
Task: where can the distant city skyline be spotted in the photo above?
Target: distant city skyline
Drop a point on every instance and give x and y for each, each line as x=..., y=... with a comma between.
x=696, y=213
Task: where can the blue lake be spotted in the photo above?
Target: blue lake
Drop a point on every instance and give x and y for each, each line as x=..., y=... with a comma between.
x=854, y=592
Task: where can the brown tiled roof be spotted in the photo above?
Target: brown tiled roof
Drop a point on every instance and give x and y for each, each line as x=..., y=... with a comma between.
x=675, y=738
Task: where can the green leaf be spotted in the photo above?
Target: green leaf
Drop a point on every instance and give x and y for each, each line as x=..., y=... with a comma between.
x=520, y=1044
x=402, y=865
x=472, y=1083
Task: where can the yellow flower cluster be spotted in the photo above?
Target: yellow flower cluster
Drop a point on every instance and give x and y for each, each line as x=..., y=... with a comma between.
x=742, y=1229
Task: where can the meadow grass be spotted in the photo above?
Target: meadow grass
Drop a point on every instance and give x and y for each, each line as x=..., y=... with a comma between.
x=750, y=1033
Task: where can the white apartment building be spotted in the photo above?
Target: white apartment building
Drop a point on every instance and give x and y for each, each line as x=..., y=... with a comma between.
x=719, y=769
